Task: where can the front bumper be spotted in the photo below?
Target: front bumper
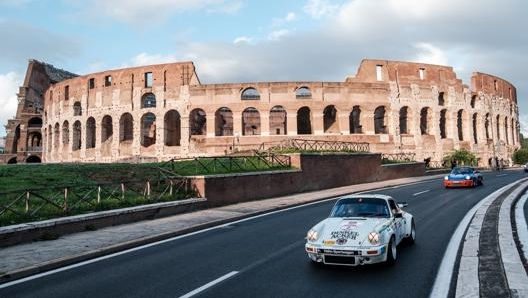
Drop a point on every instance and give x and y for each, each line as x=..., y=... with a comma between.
x=459, y=183
x=347, y=256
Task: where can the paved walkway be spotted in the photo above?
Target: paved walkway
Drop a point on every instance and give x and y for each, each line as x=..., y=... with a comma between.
x=23, y=260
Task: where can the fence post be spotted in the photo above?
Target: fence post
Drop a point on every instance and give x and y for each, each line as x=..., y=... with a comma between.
x=65, y=207
x=170, y=189
x=27, y=201
x=147, y=190
x=98, y=195
x=122, y=191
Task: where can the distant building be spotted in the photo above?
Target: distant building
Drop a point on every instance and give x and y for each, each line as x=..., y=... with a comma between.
x=160, y=112
x=23, y=142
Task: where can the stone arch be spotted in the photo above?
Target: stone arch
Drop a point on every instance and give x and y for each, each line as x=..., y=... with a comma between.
x=426, y=116
x=77, y=129
x=250, y=122
x=223, y=122
x=506, y=134
x=404, y=120
x=304, y=121
x=330, y=123
x=487, y=126
x=148, y=100
x=56, y=135
x=303, y=93
x=380, y=120
x=355, y=120
x=250, y=93
x=172, y=128
x=65, y=134
x=126, y=127
x=442, y=123
x=90, y=133
x=106, y=128
x=33, y=159
x=148, y=130
x=12, y=161
x=197, y=122
x=461, y=120
x=77, y=108
x=278, y=121
x=475, y=125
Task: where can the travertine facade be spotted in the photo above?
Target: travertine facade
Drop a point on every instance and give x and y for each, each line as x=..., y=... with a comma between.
x=160, y=112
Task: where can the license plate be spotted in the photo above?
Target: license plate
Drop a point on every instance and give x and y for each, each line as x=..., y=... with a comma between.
x=329, y=242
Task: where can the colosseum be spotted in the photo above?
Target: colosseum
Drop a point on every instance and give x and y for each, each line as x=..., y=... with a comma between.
x=161, y=112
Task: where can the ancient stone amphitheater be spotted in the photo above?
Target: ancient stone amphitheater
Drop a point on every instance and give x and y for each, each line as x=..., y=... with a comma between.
x=160, y=112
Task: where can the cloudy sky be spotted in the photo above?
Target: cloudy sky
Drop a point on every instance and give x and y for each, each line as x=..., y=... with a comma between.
x=256, y=40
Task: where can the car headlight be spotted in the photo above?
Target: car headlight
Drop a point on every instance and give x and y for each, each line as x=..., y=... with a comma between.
x=467, y=177
x=312, y=235
x=446, y=178
x=374, y=238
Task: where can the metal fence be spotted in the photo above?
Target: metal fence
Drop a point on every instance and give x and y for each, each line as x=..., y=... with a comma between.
x=315, y=145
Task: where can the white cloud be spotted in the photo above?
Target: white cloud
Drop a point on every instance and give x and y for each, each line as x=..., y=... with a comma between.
x=154, y=11
x=318, y=9
x=290, y=17
x=430, y=54
x=278, y=35
x=146, y=59
x=243, y=39
x=9, y=84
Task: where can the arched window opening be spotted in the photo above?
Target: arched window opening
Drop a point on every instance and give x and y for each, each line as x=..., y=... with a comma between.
x=56, y=136
x=460, y=125
x=506, y=131
x=250, y=122
x=76, y=144
x=172, y=131
x=224, y=122
x=90, y=133
x=250, y=94
x=475, y=126
x=148, y=100
x=303, y=93
x=497, y=120
x=487, y=126
x=442, y=124
x=277, y=120
x=65, y=134
x=441, y=100
x=35, y=122
x=77, y=109
x=106, y=128
x=424, y=121
x=197, y=122
x=473, y=101
x=330, y=123
x=355, y=120
x=404, y=111
x=304, y=122
x=126, y=128
x=148, y=130
x=379, y=120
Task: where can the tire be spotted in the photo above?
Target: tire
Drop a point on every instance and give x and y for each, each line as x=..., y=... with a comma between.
x=391, y=252
x=412, y=237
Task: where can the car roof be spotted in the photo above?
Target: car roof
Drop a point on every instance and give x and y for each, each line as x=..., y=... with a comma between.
x=364, y=196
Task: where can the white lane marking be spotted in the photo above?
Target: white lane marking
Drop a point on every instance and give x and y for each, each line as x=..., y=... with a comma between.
x=209, y=284
x=421, y=192
x=443, y=278
x=522, y=228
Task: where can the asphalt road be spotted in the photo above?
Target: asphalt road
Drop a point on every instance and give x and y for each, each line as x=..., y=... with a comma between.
x=264, y=256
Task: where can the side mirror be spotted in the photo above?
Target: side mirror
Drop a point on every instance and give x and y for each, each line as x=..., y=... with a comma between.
x=402, y=204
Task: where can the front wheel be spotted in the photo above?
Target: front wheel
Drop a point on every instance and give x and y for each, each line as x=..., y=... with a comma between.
x=412, y=236
x=391, y=252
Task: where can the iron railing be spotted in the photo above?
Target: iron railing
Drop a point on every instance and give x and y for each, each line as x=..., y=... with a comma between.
x=315, y=145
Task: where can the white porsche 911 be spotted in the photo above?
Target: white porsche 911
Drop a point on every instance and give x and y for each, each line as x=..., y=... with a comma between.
x=361, y=229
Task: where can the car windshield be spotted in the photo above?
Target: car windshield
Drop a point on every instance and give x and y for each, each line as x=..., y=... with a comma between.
x=462, y=171
x=361, y=207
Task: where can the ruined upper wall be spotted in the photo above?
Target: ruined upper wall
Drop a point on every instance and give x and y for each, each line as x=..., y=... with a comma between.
x=163, y=77
x=489, y=84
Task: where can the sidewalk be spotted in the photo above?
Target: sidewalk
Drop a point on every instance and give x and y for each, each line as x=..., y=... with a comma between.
x=32, y=258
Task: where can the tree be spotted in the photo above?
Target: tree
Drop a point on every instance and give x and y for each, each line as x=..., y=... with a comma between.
x=520, y=156
x=461, y=157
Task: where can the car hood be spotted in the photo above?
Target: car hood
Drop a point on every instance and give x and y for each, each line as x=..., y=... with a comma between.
x=349, y=231
x=459, y=176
